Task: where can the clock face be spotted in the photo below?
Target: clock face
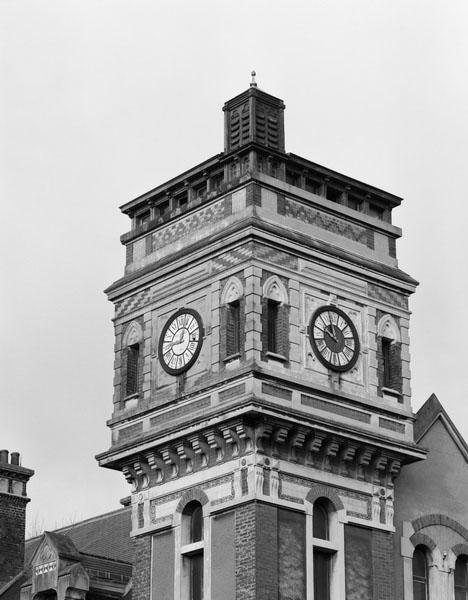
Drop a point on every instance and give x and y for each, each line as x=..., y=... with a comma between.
x=334, y=338
x=180, y=341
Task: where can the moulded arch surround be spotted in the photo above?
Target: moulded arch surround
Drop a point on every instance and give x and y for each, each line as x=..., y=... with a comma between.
x=274, y=289
x=323, y=492
x=421, y=539
x=133, y=334
x=232, y=291
x=193, y=494
x=460, y=549
x=388, y=328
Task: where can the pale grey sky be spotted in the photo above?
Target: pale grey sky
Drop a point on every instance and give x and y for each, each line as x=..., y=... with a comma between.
x=101, y=100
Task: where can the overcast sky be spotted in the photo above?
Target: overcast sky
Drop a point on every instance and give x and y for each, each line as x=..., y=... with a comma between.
x=101, y=100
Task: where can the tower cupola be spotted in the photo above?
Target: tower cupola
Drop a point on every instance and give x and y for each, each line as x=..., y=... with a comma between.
x=254, y=116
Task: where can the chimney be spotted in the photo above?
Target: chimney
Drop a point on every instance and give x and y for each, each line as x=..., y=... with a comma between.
x=13, y=500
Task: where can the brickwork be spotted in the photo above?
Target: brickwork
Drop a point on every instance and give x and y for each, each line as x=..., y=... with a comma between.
x=254, y=196
x=312, y=216
x=378, y=292
x=245, y=552
x=438, y=519
x=12, y=524
x=141, y=577
x=266, y=534
x=383, y=567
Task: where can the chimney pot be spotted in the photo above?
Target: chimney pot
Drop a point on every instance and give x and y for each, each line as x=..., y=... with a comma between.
x=15, y=458
x=4, y=456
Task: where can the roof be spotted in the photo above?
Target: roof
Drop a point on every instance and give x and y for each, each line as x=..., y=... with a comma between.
x=431, y=411
x=106, y=536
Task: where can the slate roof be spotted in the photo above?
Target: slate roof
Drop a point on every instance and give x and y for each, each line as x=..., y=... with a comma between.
x=106, y=536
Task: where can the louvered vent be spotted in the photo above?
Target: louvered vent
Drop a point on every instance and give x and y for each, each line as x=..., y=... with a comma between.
x=240, y=126
x=267, y=127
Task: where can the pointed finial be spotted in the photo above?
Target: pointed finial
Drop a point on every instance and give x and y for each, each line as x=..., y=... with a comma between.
x=253, y=83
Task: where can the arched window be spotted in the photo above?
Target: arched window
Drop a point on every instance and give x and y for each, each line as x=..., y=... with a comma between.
x=131, y=359
x=389, y=353
x=461, y=578
x=323, y=550
x=231, y=319
x=275, y=318
x=192, y=551
x=420, y=574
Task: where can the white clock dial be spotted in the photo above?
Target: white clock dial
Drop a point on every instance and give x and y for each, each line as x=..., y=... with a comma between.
x=334, y=338
x=180, y=341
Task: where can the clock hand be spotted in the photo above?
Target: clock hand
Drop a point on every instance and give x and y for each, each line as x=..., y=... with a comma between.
x=331, y=334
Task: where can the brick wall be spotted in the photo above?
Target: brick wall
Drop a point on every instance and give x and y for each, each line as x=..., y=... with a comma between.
x=383, y=565
x=12, y=526
x=266, y=570
x=245, y=552
x=141, y=577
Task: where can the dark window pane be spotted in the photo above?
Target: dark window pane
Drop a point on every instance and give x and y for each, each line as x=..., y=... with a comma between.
x=196, y=524
x=321, y=575
x=320, y=521
x=387, y=364
x=196, y=577
x=233, y=328
x=420, y=574
x=132, y=369
x=272, y=325
x=461, y=581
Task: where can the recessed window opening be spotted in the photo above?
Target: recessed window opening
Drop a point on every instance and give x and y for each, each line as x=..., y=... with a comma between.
x=143, y=218
x=322, y=554
x=312, y=185
x=272, y=325
x=354, y=202
x=133, y=353
x=293, y=178
x=376, y=211
x=192, y=551
x=333, y=194
x=460, y=579
x=162, y=209
x=181, y=201
x=233, y=328
x=387, y=362
x=421, y=575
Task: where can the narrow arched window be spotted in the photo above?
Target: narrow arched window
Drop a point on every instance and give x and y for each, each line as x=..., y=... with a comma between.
x=192, y=551
x=389, y=355
x=275, y=319
x=133, y=358
x=231, y=320
x=132, y=363
x=461, y=578
x=420, y=574
x=323, y=552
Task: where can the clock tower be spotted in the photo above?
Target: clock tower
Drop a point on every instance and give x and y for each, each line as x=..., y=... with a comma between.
x=262, y=385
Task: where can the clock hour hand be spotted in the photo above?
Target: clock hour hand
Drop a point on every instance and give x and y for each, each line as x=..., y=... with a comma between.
x=331, y=334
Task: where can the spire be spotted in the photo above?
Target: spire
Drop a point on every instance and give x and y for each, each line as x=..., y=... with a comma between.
x=253, y=83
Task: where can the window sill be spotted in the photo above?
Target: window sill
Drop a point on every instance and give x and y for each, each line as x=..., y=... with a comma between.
x=391, y=393
x=278, y=357
x=131, y=401
x=193, y=548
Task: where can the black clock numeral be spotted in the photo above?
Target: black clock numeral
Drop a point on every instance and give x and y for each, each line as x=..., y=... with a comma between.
x=347, y=353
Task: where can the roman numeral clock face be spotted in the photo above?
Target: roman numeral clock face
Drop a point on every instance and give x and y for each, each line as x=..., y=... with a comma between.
x=334, y=338
x=180, y=341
